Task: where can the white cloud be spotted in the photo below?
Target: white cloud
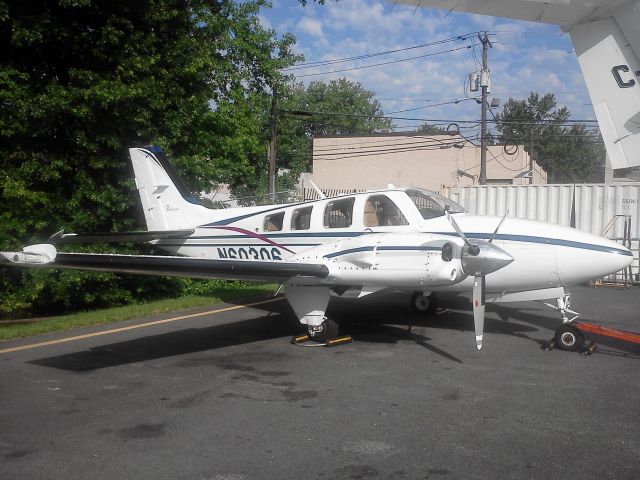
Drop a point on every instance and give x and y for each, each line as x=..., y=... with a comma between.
x=526, y=56
x=310, y=26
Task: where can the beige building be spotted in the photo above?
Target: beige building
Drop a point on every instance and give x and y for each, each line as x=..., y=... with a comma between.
x=415, y=160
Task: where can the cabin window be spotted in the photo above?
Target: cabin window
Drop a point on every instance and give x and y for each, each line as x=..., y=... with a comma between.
x=301, y=218
x=380, y=211
x=273, y=223
x=428, y=207
x=339, y=213
x=432, y=205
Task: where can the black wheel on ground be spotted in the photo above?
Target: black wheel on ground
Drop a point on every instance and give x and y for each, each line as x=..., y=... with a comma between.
x=569, y=338
x=424, y=303
x=331, y=328
x=328, y=329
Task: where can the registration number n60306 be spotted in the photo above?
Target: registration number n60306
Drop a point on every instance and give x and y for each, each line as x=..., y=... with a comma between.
x=249, y=253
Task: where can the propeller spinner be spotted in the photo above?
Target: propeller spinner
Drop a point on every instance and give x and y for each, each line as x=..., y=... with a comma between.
x=479, y=259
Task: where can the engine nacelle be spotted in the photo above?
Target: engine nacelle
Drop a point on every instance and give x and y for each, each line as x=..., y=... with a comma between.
x=412, y=261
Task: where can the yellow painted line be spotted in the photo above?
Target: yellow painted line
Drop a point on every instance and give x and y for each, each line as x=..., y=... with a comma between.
x=133, y=327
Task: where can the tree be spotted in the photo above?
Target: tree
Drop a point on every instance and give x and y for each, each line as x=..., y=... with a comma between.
x=337, y=107
x=340, y=107
x=80, y=82
x=568, y=154
x=429, y=129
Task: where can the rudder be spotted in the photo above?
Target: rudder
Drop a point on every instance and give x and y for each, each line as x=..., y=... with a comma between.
x=166, y=203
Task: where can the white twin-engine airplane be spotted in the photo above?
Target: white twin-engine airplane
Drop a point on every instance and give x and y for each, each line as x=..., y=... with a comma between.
x=400, y=238
x=606, y=38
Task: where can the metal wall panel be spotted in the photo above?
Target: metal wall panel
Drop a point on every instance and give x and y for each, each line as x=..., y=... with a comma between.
x=545, y=203
x=595, y=204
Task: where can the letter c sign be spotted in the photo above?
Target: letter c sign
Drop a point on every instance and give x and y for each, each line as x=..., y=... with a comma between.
x=616, y=74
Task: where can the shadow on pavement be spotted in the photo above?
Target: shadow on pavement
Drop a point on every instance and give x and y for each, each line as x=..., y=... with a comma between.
x=278, y=322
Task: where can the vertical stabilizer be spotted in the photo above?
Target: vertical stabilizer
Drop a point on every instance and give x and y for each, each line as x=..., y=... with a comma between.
x=166, y=203
x=611, y=70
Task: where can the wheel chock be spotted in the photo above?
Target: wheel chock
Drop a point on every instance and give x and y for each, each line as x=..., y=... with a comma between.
x=302, y=341
x=334, y=342
x=551, y=344
x=589, y=349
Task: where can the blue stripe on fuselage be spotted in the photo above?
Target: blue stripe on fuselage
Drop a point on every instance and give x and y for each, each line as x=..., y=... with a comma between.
x=403, y=248
x=485, y=236
x=543, y=240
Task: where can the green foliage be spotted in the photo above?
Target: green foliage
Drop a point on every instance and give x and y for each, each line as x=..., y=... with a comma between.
x=213, y=294
x=348, y=109
x=80, y=83
x=568, y=154
x=432, y=129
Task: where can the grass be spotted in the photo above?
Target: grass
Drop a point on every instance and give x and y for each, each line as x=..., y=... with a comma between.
x=100, y=317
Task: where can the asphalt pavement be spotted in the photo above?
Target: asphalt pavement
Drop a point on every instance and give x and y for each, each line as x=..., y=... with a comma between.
x=221, y=393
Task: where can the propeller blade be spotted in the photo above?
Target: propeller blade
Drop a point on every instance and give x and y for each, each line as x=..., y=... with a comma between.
x=498, y=227
x=456, y=227
x=478, y=308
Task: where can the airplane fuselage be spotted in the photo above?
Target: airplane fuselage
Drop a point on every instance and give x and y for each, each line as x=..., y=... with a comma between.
x=358, y=249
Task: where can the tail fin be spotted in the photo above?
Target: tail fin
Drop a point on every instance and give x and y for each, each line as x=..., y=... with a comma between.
x=608, y=51
x=166, y=202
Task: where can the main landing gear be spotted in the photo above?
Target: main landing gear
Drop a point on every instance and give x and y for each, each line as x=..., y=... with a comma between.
x=309, y=304
x=427, y=303
x=327, y=334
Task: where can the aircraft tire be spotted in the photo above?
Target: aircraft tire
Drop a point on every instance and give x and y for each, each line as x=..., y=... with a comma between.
x=424, y=303
x=569, y=338
x=330, y=329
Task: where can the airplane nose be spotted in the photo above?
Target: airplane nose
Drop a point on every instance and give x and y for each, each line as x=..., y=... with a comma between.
x=597, y=257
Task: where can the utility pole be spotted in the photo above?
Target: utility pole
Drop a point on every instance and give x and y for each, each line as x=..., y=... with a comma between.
x=531, y=158
x=484, y=83
x=271, y=146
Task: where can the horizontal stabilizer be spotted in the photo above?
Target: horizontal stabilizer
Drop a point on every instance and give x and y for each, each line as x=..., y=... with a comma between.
x=61, y=238
x=31, y=256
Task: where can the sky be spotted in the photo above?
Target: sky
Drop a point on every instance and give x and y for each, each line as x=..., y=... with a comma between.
x=525, y=57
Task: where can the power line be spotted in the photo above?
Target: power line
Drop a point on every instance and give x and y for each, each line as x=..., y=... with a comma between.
x=431, y=105
x=307, y=113
x=385, y=63
x=427, y=141
x=376, y=54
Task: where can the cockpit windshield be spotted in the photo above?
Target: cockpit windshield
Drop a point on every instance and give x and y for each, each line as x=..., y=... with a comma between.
x=432, y=205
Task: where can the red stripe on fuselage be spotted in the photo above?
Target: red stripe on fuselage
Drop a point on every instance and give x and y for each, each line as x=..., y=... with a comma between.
x=251, y=234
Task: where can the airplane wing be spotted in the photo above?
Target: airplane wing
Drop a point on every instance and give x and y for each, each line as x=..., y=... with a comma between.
x=45, y=255
x=606, y=37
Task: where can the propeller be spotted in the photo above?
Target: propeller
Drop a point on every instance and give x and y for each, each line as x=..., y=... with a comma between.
x=479, y=259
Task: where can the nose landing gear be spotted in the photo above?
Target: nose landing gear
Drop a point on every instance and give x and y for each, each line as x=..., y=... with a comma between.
x=571, y=339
